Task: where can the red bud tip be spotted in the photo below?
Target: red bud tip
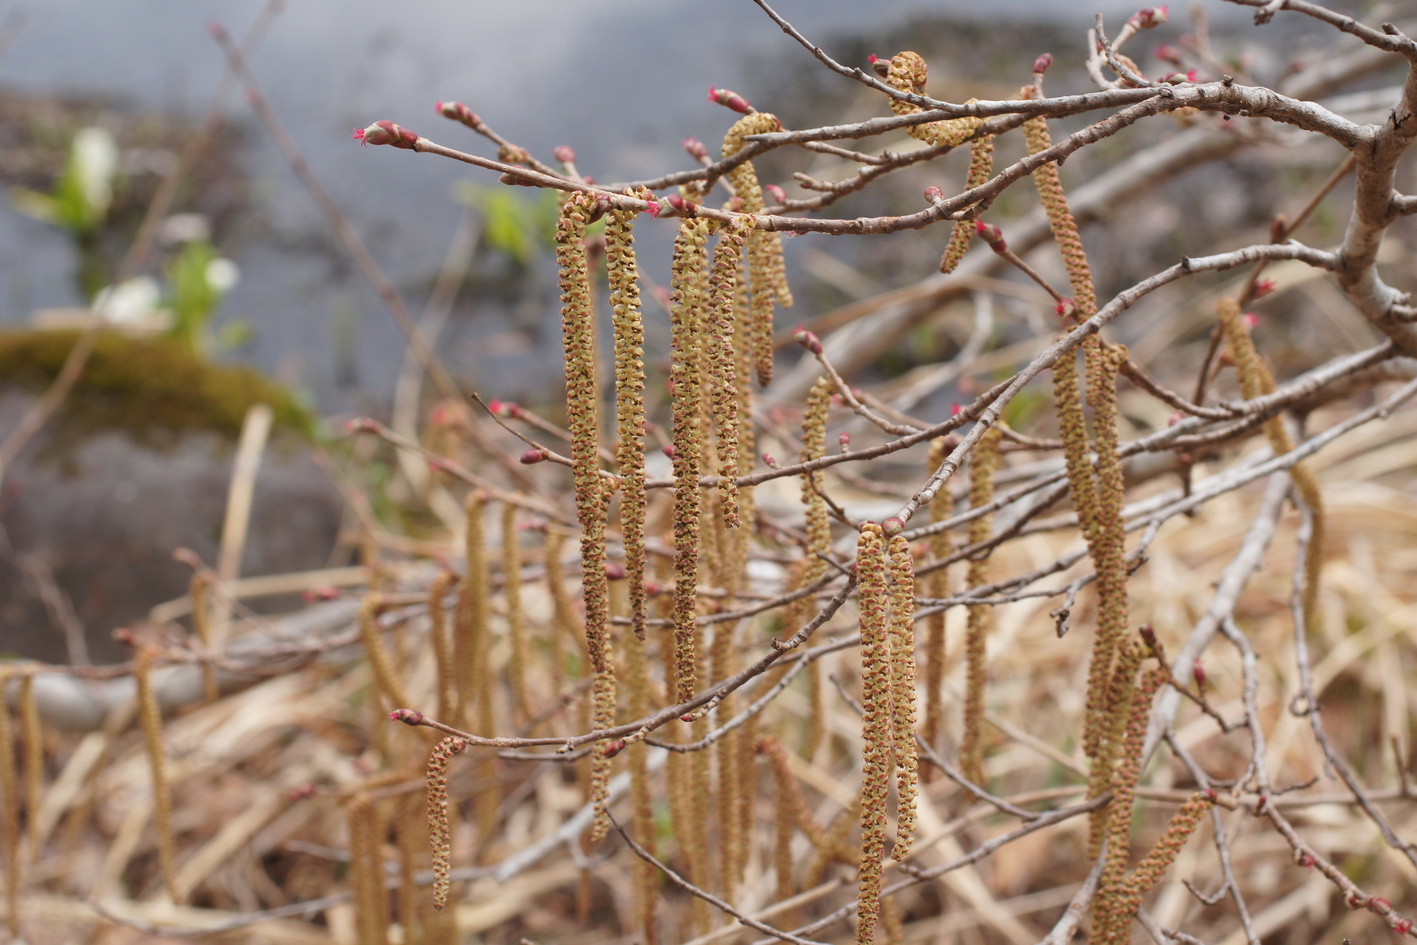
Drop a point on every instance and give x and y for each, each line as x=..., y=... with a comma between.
x=807, y=339
x=1148, y=17
x=564, y=154
x=933, y=193
x=1251, y=319
x=1211, y=795
x=872, y=59
x=532, y=457
x=776, y=192
x=1262, y=288
x=1064, y=308
x=770, y=460
x=729, y=100
x=1305, y=859
x=407, y=716
x=892, y=526
x=669, y=450
x=1148, y=634
x=1198, y=670
x=216, y=31
x=615, y=572
x=1175, y=418
x=1041, y=64
x=652, y=207
x=1402, y=926
x=882, y=67
x=696, y=149
x=457, y=111
x=992, y=235
x=844, y=439
x=687, y=207
x=611, y=749
x=955, y=409
x=386, y=132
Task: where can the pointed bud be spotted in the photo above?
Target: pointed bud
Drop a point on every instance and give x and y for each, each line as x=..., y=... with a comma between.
x=457, y=111
x=407, y=716
x=685, y=207
x=807, y=339
x=533, y=456
x=776, y=192
x=1198, y=671
x=729, y=100
x=882, y=67
x=770, y=461
x=992, y=235
x=612, y=748
x=1262, y=288
x=1148, y=17
x=386, y=132
x=1041, y=64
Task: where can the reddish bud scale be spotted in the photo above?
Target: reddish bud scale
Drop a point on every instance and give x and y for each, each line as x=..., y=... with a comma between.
x=776, y=192
x=687, y=207
x=770, y=460
x=730, y=100
x=564, y=153
x=807, y=339
x=386, y=132
x=532, y=457
x=1262, y=288
x=892, y=527
x=407, y=716
x=933, y=193
x=1198, y=670
x=845, y=440
x=696, y=148
x=1041, y=64
x=615, y=572
x=1064, y=308
x=992, y=235
x=457, y=111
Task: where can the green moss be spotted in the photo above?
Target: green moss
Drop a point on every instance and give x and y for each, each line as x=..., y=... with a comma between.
x=151, y=388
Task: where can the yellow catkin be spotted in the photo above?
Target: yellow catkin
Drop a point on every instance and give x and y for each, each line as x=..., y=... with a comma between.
x=198, y=591
x=685, y=817
x=33, y=735
x=981, y=166
x=592, y=496
x=385, y=678
x=408, y=838
x=563, y=610
x=902, y=631
x=1116, y=825
x=1256, y=381
x=629, y=401
x=814, y=564
x=366, y=870
x=516, y=617
x=442, y=642
x=722, y=369
x=766, y=277
x=642, y=803
x=150, y=718
x=907, y=72
x=10, y=785
x=1055, y=204
x=983, y=462
x=730, y=778
x=873, y=592
x=686, y=378
x=937, y=585
x=440, y=834
x=471, y=638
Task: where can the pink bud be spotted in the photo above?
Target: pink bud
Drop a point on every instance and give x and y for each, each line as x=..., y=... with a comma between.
x=730, y=100
x=807, y=339
x=1041, y=64
x=882, y=67
x=992, y=235
x=611, y=749
x=1198, y=670
x=652, y=207
x=1251, y=320
x=687, y=207
x=776, y=192
x=386, y=132
x=457, y=111
x=1064, y=308
x=1379, y=905
x=955, y=409
x=532, y=457
x=564, y=154
x=1166, y=53
x=615, y=572
x=1211, y=795
x=407, y=716
x=696, y=149
x=892, y=526
x=1175, y=418
x=770, y=461
x=125, y=636
x=844, y=440
x=1148, y=17
x=1262, y=288
x=669, y=450
x=933, y=193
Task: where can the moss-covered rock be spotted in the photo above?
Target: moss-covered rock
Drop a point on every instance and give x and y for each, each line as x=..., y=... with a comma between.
x=154, y=389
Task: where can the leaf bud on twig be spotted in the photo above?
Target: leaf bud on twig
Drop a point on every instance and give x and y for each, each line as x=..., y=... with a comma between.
x=386, y=132
x=1041, y=64
x=730, y=100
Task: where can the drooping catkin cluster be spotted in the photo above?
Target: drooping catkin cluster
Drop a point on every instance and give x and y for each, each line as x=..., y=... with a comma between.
x=385, y=678
x=592, y=496
x=873, y=591
x=814, y=564
x=1055, y=204
x=907, y=72
x=516, y=615
x=1256, y=380
x=441, y=639
x=150, y=718
x=724, y=392
x=983, y=463
x=937, y=585
x=440, y=833
x=687, y=313
x=472, y=634
x=642, y=825
x=623, y=274
x=981, y=165
x=767, y=277
x=902, y=643
x=366, y=868
x=198, y=591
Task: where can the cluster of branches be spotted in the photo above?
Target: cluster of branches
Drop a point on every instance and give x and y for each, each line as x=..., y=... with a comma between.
x=676, y=633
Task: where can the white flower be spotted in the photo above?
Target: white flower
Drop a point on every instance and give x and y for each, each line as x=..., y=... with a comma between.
x=128, y=302
x=95, y=158
x=222, y=275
